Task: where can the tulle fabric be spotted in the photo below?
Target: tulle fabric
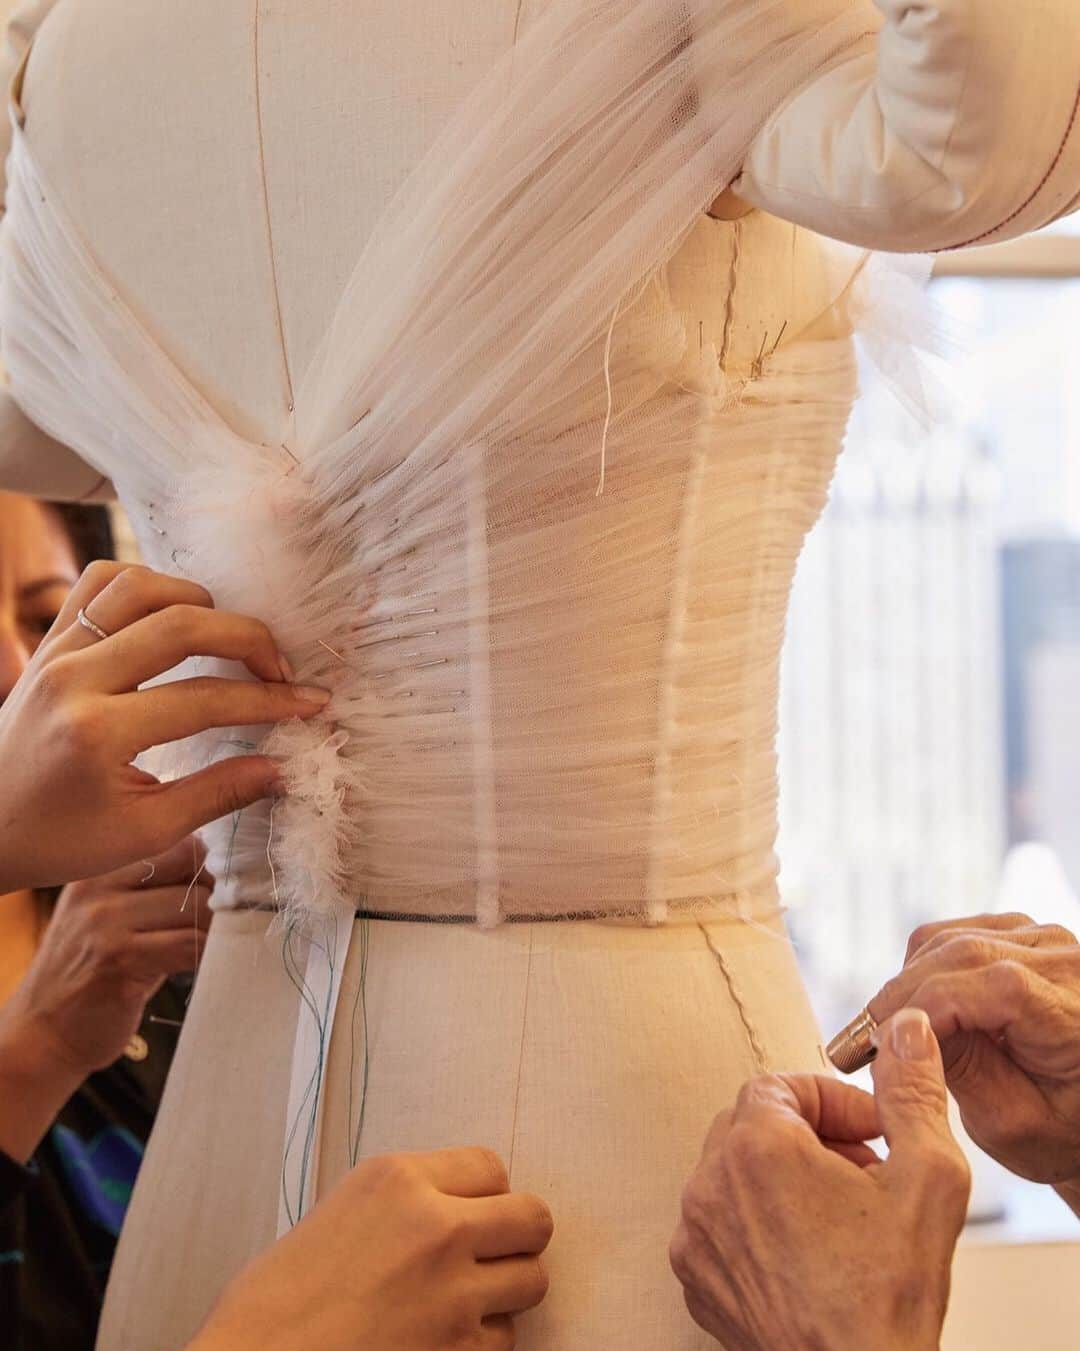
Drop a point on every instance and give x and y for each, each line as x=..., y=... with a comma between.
x=517, y=528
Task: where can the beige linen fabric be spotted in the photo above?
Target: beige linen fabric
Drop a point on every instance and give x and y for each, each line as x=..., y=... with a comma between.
x=537, y=1040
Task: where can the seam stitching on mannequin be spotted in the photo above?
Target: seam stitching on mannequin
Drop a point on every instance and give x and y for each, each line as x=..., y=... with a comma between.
x=521, y=1056
x=269, y=222
x=1042, y=181
x=733, y=278
x=752, y=1037
x=666, y=700
x=485, y=816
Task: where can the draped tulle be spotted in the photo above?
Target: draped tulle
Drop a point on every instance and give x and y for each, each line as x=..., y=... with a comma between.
x=519, y=528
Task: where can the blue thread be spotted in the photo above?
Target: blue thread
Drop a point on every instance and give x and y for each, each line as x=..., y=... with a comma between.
x=360, y=1002
x=313, y=1091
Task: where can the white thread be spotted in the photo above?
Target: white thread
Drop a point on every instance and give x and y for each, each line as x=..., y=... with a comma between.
x=610, y=401
x=269, y=856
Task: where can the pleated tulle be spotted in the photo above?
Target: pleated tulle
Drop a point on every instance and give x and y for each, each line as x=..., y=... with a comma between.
x=532, y=530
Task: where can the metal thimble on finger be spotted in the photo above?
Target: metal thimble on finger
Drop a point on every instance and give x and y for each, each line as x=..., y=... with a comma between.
x=852, y=1049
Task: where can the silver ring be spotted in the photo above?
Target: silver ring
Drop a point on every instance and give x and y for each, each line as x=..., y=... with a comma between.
x=88, y=623
x=853, y=1048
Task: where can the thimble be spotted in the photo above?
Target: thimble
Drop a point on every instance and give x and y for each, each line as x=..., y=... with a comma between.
x=852, y=1049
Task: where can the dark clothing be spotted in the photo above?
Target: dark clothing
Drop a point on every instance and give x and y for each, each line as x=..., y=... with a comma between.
x=60, y=1218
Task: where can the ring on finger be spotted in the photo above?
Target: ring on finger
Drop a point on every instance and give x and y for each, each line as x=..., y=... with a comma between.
x=84, y=619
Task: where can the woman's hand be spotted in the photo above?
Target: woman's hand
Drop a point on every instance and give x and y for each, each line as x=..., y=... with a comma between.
x=1003, y=996
x=794, y=1234
x=420, y=1252
x=71, y=802
x=107, y=949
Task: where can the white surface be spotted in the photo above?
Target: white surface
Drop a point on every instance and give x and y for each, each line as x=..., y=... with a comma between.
x=1019, y=1297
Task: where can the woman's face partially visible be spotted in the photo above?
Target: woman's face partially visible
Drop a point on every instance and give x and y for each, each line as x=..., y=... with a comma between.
x=37, y=570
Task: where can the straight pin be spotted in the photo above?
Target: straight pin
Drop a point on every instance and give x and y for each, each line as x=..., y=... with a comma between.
x=396, y=638
x=386, y=472
x=332, y=652
x=423, y=666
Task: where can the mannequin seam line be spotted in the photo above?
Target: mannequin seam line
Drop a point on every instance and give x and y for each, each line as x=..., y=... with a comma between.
x=756, y=1048
x=278, y=317
x=1066, y=137
x=521, y=1057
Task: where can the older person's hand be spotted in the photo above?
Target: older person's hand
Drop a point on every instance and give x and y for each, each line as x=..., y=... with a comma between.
x=72, y=804
x=1003, y=996
x=109, y=945
x=413, y=1252
x=794, y=1234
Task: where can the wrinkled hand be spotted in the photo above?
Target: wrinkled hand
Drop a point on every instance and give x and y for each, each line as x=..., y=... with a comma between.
x=1003, y=996
x=420, y=1252
x=72, y=804
x=794, y=1233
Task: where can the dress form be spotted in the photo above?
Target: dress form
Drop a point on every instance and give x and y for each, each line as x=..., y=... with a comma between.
x=239, y=304
x=267, y=190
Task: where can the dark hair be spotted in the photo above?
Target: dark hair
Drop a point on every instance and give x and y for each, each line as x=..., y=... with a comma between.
x=89, y=527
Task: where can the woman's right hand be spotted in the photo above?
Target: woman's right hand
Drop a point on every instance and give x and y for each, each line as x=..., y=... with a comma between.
x=411, y=1252
x=72, y=804
x=1003, y=995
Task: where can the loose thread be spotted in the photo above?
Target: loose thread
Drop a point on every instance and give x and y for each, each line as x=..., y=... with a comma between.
x=194, y=881
x=311, y=1091
x=609, y=415
x=610, y=401
x=359, y=1004
x=270, y=857
x=232, y=845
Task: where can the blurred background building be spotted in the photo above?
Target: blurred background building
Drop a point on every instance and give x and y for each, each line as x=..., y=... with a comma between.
x=931, y=703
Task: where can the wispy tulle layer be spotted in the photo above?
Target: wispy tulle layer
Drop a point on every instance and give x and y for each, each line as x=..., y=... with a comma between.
x=536, y=537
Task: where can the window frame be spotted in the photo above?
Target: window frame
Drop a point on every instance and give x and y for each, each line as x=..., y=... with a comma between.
x=1045, y=255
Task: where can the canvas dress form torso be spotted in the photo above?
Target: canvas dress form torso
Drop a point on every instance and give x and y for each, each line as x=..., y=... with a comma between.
x=591, y=1055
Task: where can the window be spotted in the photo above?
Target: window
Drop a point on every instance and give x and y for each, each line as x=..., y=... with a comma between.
x=930, y=725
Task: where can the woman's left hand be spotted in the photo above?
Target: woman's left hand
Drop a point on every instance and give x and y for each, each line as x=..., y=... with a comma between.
x=108, y=948
x=72, y=801
x=794, y=1233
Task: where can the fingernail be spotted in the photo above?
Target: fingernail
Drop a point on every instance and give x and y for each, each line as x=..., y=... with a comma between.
x=312, y=694
x=287, y=672
x=912, y=1035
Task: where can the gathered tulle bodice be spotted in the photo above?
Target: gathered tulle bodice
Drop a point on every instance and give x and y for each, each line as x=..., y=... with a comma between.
x=541, y=545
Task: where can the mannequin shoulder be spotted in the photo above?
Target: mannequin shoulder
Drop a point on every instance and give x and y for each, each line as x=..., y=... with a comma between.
x=948, y=123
